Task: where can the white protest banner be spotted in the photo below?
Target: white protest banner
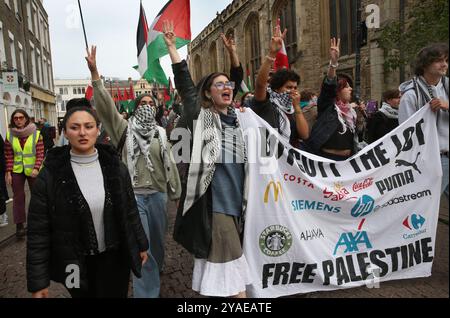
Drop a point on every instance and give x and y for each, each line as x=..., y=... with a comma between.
x=10, y=82
x=316, y=225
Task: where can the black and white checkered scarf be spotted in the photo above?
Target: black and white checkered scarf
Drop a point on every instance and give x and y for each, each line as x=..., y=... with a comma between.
x=283, y=101
x=206, y=152
x=142, y=128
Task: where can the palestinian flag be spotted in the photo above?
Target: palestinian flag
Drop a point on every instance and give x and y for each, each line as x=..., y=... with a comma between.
x=247, y=87
x=150, y=41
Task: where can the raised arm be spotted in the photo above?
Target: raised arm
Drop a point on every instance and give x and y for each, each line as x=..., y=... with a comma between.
x=236, y=71
x=114, y=123
x=328, y=93
x=263, y=75
x=335, y=53
x=183, y=80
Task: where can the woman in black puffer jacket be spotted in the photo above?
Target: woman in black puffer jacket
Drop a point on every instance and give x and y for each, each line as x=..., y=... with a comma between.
x=84, y=228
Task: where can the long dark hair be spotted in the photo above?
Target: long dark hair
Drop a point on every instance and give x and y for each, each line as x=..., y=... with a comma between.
x=21, y=111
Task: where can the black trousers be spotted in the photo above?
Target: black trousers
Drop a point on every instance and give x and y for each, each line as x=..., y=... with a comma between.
x=108, y=276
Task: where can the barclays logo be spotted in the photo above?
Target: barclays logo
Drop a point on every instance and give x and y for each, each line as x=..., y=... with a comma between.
x=363, y=207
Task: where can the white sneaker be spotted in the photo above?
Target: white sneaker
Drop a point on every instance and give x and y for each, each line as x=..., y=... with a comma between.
x=3, y=220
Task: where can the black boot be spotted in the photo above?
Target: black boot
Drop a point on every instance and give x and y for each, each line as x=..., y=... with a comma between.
x=20, y=231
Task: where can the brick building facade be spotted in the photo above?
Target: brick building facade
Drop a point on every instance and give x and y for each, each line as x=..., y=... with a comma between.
x=310, y=24
x=25, y=48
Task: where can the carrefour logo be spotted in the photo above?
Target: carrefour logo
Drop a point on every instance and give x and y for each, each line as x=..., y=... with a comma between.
x=363, y=207
x=414, y=222
x=277, y=191
x=275, y=240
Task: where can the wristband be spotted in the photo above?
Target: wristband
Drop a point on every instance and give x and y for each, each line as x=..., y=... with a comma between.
x=334, y=65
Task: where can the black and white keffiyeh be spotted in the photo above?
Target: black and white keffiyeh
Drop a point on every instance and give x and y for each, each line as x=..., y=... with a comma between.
x=283, y=101
x=206, y=153
x=142, y=128
x=389, y=111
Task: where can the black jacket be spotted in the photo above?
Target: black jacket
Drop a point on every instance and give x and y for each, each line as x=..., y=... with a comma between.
x=60, y=226
x=327, y=122
x=379, y=125
x=47, y=137
x=194, y=230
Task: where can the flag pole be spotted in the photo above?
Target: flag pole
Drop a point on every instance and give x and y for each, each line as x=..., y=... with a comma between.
x=82, y=22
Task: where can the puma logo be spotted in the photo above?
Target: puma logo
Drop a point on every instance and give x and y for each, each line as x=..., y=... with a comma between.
x=399, y=163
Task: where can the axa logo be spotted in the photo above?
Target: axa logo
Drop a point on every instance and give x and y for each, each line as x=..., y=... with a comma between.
x=414, y=222
x=353, y=241
x=275, y=240
x=277, y=191
x=363, y=207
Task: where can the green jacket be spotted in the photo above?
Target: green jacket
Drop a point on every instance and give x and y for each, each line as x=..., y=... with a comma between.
x=115, y=126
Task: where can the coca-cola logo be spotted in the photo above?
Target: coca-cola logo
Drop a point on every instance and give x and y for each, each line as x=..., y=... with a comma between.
x=358, y=186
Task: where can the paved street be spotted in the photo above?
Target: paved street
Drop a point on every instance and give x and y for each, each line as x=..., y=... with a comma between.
x=176, y=279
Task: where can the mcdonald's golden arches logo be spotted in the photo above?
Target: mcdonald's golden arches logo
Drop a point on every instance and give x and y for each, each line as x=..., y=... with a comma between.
x=277, y=190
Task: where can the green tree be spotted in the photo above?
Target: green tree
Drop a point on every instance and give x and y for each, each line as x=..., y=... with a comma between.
x=426, y=23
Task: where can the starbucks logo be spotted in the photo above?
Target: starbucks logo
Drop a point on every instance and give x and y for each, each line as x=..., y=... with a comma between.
x=275, y=240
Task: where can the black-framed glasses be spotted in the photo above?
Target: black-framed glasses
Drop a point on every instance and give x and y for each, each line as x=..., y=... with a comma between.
x=222, y=85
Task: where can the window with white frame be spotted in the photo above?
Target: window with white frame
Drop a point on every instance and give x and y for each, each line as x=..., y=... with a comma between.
x=41, y=30
x=35, y=18
x=61, y=91
x=47, y=42
x=44, y=71
x=39, y=67
x=50, y=75
x=2, y=46
x=33, y=61
x=12, y=47
x=30, y=21
x=22, y=64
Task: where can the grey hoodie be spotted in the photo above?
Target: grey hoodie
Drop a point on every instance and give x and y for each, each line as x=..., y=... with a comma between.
x=415, y=95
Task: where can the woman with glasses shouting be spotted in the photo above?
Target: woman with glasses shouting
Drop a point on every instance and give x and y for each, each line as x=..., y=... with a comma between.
x=24, y=153
x=145, y=150
x=209, y=221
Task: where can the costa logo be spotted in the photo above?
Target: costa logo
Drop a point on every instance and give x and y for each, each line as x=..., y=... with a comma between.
x=298, y=180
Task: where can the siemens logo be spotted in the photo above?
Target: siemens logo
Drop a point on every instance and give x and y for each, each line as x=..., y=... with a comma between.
x=305, y=205
x=404, y=198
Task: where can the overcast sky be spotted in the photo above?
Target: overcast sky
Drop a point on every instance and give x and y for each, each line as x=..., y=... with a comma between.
x=112, y=26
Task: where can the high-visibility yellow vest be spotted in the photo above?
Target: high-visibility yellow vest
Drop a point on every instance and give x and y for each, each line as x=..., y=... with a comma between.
x=24, y=159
